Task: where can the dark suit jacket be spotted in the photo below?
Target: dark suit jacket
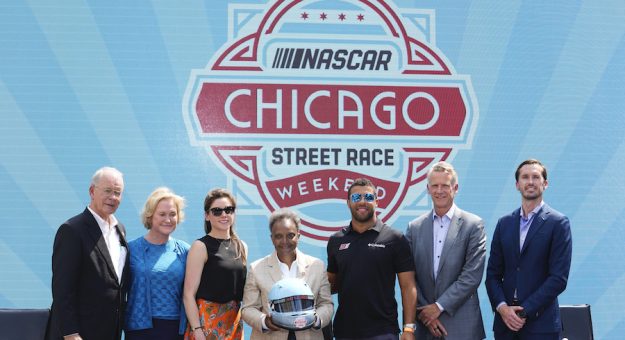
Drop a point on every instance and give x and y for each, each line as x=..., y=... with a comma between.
x=539, y=272
x=87, y=297
x=460, y=272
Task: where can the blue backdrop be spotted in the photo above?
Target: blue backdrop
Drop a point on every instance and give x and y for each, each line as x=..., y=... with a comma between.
x=89, y=83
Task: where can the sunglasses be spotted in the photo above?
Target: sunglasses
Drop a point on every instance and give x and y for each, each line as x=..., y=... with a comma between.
x=368, y=197
x=218, y=211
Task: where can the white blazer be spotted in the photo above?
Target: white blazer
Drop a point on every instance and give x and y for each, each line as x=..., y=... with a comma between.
x=264, y=273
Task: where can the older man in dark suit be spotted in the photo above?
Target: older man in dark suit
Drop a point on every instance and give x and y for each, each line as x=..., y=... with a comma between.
x=90, y=266
x=530, y=259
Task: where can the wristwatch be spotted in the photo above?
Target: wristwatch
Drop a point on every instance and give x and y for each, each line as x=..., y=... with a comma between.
x=410, y=327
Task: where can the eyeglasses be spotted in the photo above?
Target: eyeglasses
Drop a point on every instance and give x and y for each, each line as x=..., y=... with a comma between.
x=111, y=192
x=369, y=197
x=218, y=211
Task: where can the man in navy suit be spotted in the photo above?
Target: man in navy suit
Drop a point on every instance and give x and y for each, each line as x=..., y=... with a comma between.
x=90, y=267
x=529, y=262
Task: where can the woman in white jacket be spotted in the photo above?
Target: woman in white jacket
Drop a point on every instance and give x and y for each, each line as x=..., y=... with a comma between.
x=285, y=261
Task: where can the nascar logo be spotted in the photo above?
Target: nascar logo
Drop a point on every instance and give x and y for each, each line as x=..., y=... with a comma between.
x=327, y=58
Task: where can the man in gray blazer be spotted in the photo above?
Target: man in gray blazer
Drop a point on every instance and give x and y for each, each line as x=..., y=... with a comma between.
x=448, y=247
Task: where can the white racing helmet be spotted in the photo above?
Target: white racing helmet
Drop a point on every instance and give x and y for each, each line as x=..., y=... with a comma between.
x=292, y=304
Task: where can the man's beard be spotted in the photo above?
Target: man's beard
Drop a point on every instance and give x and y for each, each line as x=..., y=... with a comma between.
x=362, y=219
x=531, y=196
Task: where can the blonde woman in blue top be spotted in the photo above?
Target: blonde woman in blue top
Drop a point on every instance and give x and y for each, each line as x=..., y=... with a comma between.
x=157, y=265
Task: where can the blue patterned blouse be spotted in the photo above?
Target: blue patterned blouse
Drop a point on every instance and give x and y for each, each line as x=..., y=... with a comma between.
x=156, y=282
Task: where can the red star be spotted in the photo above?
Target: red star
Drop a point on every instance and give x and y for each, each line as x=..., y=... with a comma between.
x=304, y=15
x=323, y=16
x=342, y=17
x=361, y=17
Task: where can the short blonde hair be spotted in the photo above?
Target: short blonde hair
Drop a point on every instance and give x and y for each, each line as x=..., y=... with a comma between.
x=155, y=197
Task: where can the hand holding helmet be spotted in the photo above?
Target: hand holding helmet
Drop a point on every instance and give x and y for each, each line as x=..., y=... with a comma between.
x=292, y=304
x=270, y=325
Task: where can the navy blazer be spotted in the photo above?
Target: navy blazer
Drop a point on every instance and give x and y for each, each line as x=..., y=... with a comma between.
x=538, y=272
x=87, y=297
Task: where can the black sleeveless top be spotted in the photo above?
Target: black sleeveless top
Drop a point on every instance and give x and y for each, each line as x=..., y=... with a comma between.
x=223, y=276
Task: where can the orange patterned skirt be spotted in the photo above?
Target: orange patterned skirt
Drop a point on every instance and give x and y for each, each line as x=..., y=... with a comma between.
x=220, y=320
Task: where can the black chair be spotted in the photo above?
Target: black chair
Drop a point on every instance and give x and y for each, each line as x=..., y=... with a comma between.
x=576, y=322
x=23, y=324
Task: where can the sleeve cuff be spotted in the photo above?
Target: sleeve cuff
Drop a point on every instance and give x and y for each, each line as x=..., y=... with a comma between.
x=317, y=324
x=263, y=325
x=440, y=306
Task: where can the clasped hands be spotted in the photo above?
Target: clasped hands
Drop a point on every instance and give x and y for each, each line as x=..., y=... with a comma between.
x=428, y=315
x=510, y=317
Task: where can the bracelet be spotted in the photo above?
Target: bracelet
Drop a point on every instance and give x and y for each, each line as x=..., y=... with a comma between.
x=198, y=327
x=410, y=328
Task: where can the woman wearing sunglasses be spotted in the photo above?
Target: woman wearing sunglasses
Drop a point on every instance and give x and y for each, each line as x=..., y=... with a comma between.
x=215, y=275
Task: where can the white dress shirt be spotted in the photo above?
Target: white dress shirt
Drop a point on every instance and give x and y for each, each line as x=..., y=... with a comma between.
x=113, y=243
x=440, y=228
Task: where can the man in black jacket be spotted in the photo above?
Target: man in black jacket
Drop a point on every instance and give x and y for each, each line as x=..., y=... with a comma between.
x=90, y=267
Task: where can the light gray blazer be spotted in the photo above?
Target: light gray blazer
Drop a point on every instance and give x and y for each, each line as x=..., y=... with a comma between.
x=460, y=272
x=264, y=273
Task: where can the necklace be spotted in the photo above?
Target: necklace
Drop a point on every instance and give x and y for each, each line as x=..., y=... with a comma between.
x=222, y=241
x=227, y=246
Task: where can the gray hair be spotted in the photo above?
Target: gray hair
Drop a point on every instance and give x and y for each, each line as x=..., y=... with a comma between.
x=283, y=214
x=95, y=179
x=443, y=166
